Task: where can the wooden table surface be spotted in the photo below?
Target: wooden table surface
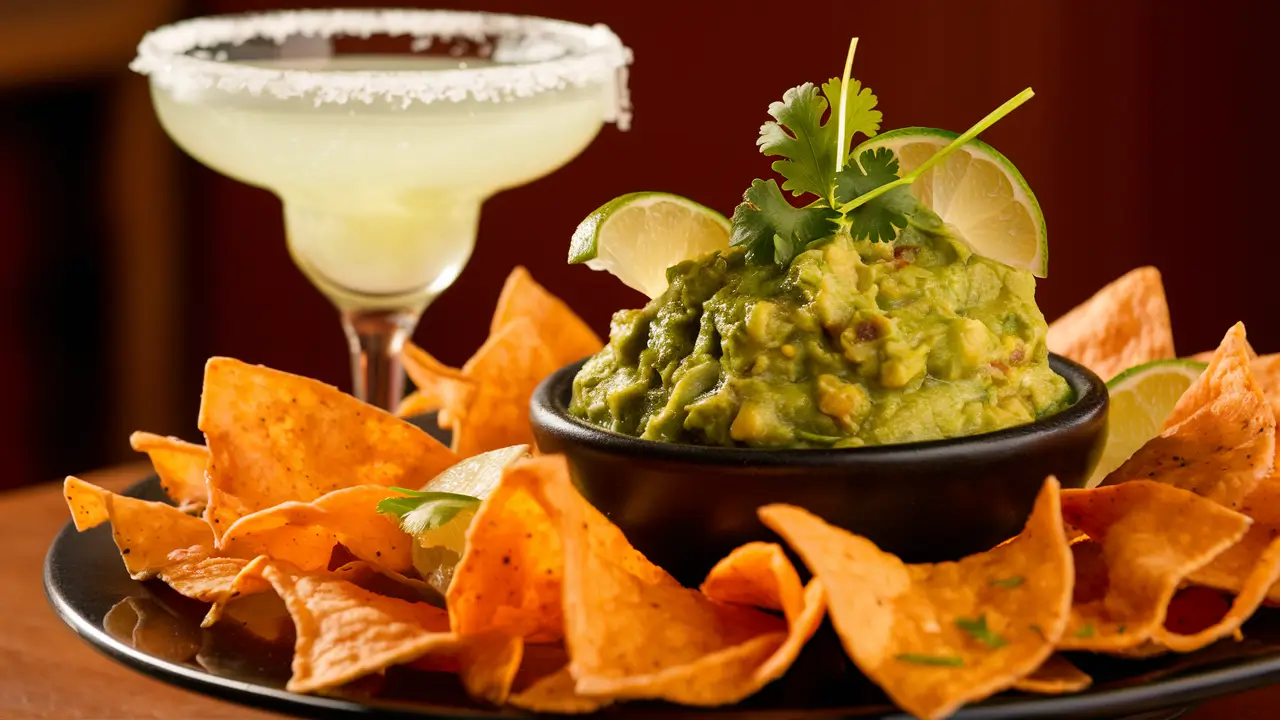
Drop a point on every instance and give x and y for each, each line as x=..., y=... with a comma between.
x=48, y=672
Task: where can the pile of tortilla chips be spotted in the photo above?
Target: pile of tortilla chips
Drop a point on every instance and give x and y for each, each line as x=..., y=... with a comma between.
x=552, y=610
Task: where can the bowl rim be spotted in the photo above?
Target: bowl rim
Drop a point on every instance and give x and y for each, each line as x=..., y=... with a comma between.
x=548, y=411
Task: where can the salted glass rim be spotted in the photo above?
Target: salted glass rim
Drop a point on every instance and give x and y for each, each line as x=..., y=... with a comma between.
x=175, y=57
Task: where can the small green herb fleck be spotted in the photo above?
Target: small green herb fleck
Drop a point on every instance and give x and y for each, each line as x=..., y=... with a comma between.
x=1121, y=628
x=1085, y=631
x=978, y=630
x=1008, y=583
x=422, y=511
x=935, y=660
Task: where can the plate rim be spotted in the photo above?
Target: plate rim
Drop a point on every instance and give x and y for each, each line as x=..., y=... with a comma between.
x=1185, y=688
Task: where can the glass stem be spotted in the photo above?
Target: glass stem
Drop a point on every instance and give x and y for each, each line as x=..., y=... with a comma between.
x=375, y=338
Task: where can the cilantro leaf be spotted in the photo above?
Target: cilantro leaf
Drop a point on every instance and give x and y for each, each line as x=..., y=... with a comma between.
x=807, y=145
x=1008, y=583
x=772, y=229
x=936, y=660
x=873, y=168
x=860, y=115
x=880, y=219
x=422, y=511
x=978, y=630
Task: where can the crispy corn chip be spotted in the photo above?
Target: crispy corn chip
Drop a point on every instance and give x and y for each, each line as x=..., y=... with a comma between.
x=555, y=693
x=145, y=532
x=276, y=437
x=193, y=573
x=179, y=464
x=1207, y=355
x=440, y=387
x=1146, y=537
x=1057, y=676
x=757, y=574
x=345, y=632
x=568, y=337
x=1229, y=570
x=1124, y=324
x=509, y=576
x=304, y=534
x=1219, y=441
x=934, y=637
x=505, y=371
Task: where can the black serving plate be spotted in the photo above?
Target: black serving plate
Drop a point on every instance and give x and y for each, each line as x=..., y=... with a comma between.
x=85, y=581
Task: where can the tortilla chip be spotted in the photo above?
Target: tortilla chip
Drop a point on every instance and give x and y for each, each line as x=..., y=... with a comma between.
x=934, y=637
x=568, y=337
x=439, y=386
x=708, y=653
x=1124, y=324
x=757, y=574
x=179, y=464
x=276, y=437
x=1229, y=570
x=1219, y=441
x=509, y=576
x=1057, y=676
x=345, y=632
x=505, y=371
x=304, y=534
x=194, y=574
x=145, y=532
x=1146, y=538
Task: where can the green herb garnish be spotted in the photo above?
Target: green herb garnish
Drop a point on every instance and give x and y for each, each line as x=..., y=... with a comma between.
x=936, y=660
x=1008, y=583
x=1085, y=631
x=978, y=630
x=421, y=511
x=811, y=132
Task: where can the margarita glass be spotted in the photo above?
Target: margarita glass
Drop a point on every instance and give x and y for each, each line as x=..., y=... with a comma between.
x=382, y=160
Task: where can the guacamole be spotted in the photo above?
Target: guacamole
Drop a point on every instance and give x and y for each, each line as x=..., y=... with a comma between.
x=854, y=343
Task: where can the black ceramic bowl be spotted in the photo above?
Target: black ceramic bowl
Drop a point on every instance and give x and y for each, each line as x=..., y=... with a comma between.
x=687, y=506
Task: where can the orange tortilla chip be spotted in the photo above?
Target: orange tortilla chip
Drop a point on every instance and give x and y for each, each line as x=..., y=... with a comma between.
x=1219, y=441
x=1267, y=371
x=1230, y=570
x=757, y=574
x=276, y=437
x=304, y=534
x=145, y=532
x=1124, y=324
x=345, y=632
x=934, y=637
x=555, y=693
x=179, y=464
x=1057, y=676
x=193, y=573
x=505, y=371
x=439, y=386
x=1146, y=538
x=568, y=337
x=509, y=576
x=708, y=653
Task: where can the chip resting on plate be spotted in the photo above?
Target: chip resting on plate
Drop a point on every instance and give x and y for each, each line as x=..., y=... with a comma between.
x=275, y=437
x=1219, y=441
x=937, y=636
x=1145, y=539
x=1124, y=324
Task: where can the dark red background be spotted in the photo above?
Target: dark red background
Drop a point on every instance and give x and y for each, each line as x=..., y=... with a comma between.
x=1149, y=142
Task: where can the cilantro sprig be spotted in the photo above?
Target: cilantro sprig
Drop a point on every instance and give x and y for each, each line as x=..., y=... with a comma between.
x=867, y=196
x=420, y=511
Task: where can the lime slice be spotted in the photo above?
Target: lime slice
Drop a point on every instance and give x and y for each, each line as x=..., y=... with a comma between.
x=639, y=235
x=978, y=192
x=1141, y=398
x=437, y=550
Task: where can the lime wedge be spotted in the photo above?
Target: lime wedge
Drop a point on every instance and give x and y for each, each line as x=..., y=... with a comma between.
x=639, y=235
x=1141, y=398
x=437, y=550
x=977, y=191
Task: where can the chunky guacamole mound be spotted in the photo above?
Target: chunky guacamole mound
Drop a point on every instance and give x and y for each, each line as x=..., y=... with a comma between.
x=854, y=343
